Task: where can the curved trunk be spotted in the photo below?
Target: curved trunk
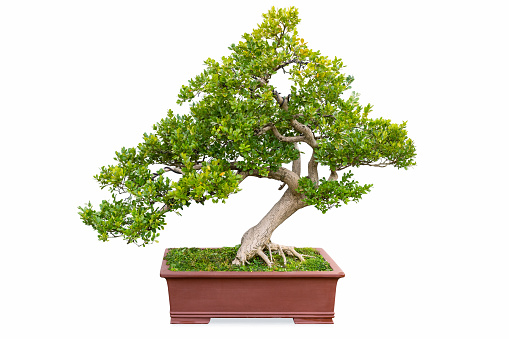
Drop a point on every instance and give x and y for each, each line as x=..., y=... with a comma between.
x=258, y=237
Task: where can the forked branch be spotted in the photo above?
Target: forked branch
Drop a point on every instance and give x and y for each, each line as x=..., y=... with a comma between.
x=282, y=174
x=279, y=136
x=333, y=175
x=307, y=133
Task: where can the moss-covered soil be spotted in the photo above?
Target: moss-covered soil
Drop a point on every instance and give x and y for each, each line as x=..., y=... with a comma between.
x=219, y=259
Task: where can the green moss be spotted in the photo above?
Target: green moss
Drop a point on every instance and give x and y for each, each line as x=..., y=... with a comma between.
x=219, y=259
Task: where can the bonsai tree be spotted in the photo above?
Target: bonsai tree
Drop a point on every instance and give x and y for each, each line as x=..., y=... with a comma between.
x=241, y=126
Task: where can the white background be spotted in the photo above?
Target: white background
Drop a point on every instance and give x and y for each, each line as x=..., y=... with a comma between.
x=425, y=253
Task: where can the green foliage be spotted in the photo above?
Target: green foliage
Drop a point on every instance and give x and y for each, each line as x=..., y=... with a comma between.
x=225, y=134
x=362, y=141
x=328, y=194
x=219, y=259
x=129, y=219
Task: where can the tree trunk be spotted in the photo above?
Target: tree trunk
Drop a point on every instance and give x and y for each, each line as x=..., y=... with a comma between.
x=258, y=237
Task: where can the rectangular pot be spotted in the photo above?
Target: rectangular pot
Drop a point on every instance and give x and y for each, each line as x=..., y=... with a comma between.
x=307, y=297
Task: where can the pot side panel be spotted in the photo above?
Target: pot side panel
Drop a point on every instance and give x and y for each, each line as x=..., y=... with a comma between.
x=252, y=295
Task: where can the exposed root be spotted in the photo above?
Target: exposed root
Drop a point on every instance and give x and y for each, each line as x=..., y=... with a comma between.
x=290, y=250
x=282, y=250
x=281, y=253
x=239, y=262
x=264, y=257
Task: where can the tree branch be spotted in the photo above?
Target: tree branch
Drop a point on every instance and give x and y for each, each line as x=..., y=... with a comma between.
x=279, y=136
x=282, y=101
x=296, y=165
x=168, y=169
x=313, y=168
x=290, y=178
x=174, y=170
x=287, y=139
x=261, y=81
x=306, y=131
x=293, y=61
x=282, y=174
x=384, y=163
x=333, y=175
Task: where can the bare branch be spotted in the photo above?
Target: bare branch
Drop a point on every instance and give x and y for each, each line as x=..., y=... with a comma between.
x=282, y=174
x=306, y=131
x=313, y=168
x=383, y=163
x=167, y=169
x=296, y=164
x=263, y=81
x=279, y=99
x=333, y=175
x=287, y=139
x=279, y=136
x=264, y=129
x=288, y=177
x=293, y=61
x=174, y=170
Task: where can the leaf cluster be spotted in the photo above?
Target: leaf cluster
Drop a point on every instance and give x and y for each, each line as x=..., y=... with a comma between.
x=330, y=193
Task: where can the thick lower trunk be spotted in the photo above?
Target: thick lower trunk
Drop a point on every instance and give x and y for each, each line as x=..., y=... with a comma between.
x=258, y=237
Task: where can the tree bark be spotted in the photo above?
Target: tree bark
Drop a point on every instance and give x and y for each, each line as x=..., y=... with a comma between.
x=257, y=238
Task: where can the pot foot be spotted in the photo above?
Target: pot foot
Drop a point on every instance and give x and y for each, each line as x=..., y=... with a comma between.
x=313, y=321
x=188, y=320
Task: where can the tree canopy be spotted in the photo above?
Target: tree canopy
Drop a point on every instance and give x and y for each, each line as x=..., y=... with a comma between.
x=239, y=125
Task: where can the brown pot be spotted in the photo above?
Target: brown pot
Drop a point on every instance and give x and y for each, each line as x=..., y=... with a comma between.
x=307, y=297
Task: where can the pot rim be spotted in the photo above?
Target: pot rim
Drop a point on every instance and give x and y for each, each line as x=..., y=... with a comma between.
x=335, y=273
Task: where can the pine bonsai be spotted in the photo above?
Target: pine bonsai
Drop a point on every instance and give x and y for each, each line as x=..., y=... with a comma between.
x=240, y=126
